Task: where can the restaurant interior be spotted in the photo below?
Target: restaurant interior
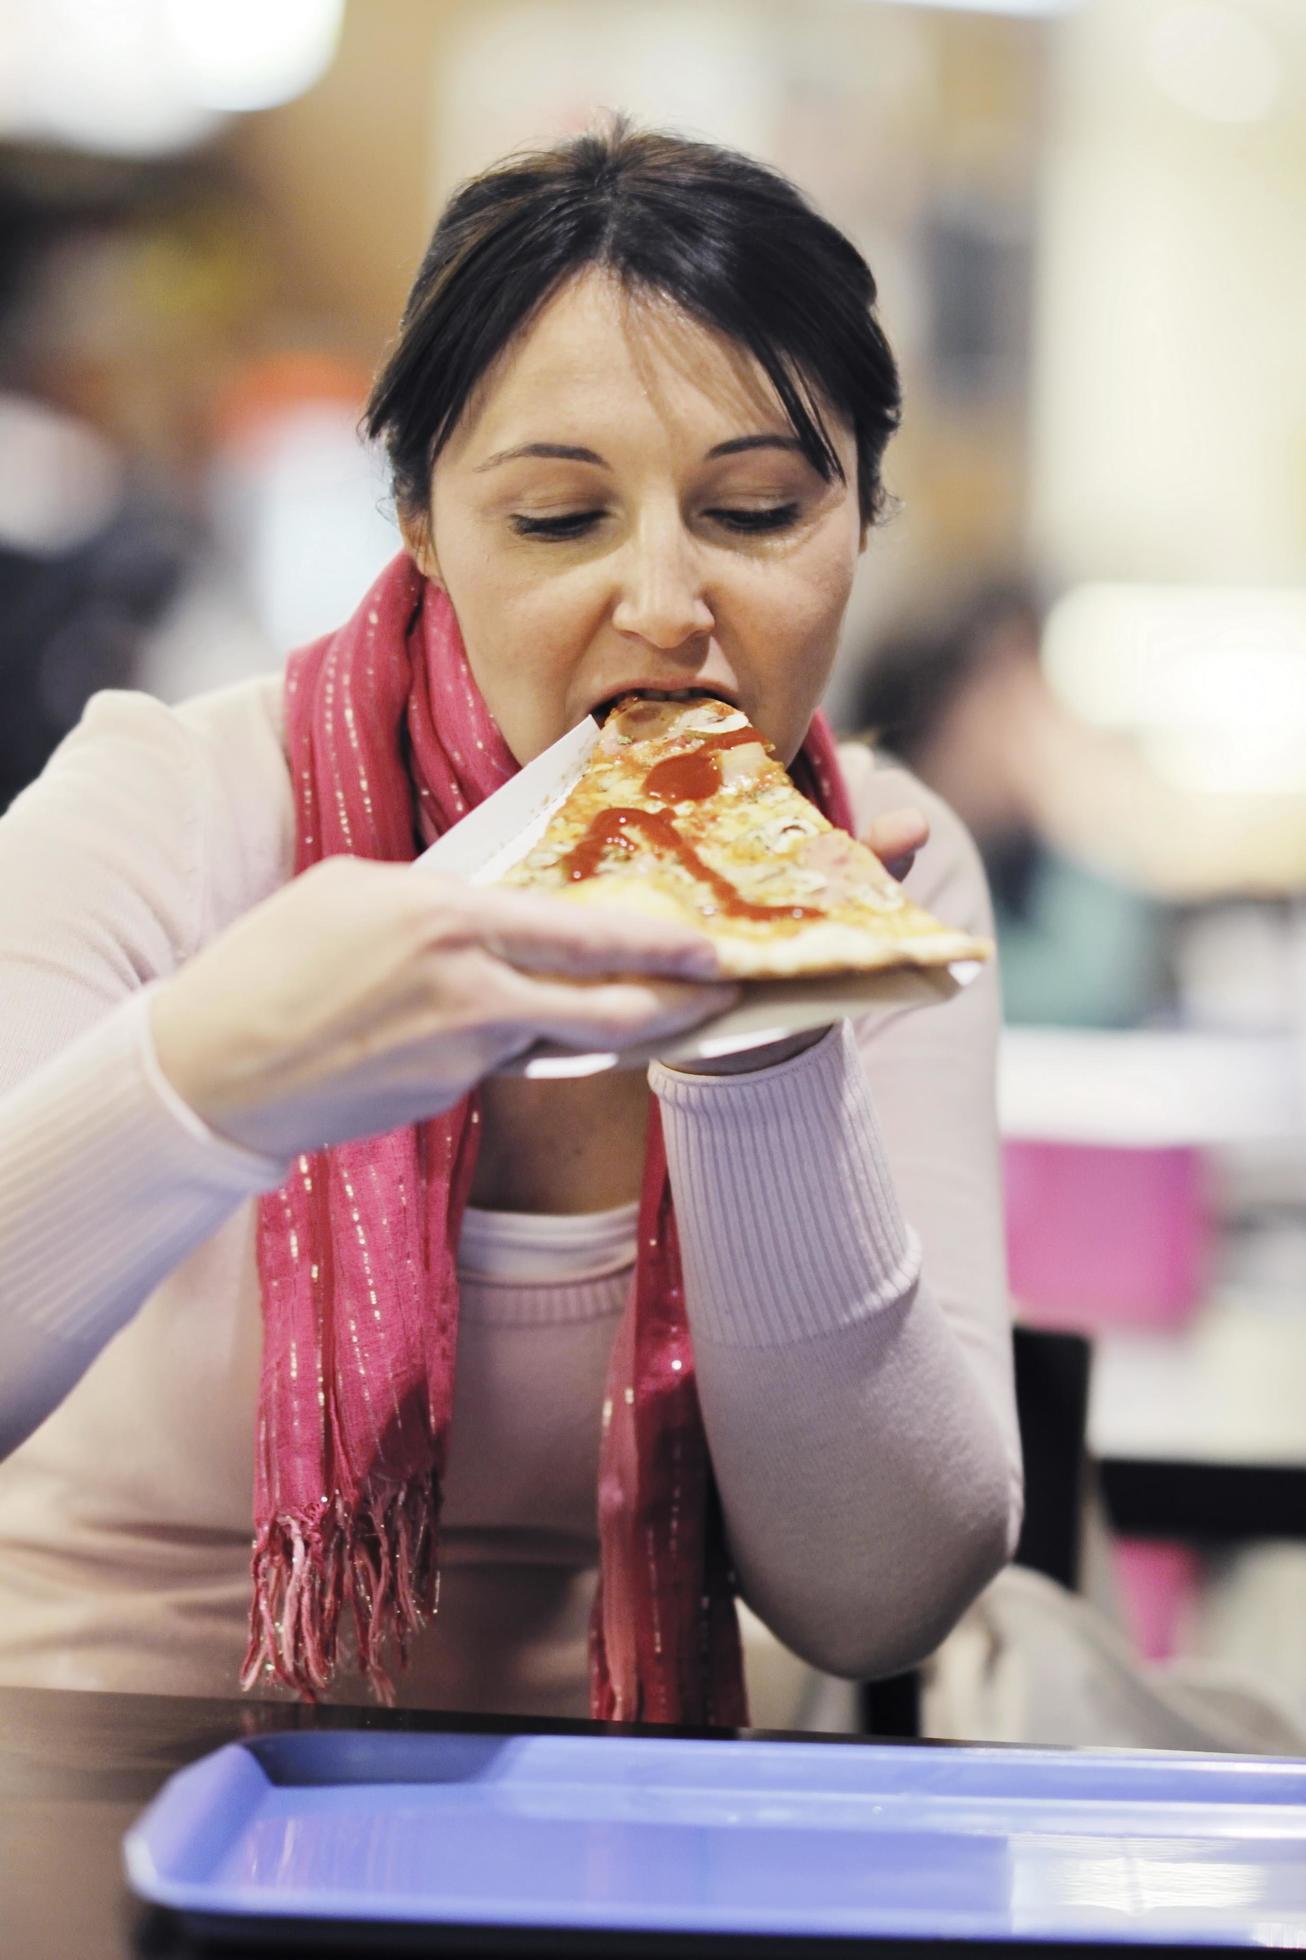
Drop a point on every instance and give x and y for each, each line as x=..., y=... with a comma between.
x=1083, y=623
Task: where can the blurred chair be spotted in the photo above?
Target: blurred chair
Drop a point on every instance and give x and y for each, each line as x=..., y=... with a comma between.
x=1105, y=1235
x=1052, y=1380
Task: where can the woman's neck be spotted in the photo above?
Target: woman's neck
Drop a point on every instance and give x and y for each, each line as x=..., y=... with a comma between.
x=561, y=1146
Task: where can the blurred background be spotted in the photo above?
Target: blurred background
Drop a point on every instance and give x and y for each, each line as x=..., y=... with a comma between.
x=1085, y=622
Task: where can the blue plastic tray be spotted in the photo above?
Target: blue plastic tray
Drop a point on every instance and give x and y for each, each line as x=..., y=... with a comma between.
x=665, y=1836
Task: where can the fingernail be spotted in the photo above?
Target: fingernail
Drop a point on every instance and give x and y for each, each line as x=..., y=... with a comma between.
x=702, y=963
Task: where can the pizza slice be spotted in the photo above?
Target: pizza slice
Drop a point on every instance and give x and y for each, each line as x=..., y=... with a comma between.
x=683, y=811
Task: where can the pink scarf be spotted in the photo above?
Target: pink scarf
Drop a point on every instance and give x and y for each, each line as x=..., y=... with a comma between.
x=357, y=1260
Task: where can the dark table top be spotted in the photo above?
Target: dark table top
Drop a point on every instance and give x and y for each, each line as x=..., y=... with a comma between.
x=77, y=1768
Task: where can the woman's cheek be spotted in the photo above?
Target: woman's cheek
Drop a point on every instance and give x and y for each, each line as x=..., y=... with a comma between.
x=804, y=665
x=810, y=610
x=540, y=638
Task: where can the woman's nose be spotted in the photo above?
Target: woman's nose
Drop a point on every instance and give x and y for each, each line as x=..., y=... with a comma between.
x=662, y=599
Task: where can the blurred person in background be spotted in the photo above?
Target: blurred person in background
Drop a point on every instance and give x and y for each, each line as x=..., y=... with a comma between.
x=260, y=1178
x=87, y=568
x=127, y=294
x=1093, y=858
x=90, y=553
x=965, y=705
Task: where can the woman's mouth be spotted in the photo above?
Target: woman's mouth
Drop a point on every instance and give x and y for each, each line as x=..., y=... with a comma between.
x=602, y=709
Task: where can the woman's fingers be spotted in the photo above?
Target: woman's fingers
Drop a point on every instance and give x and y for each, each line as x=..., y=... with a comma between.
x=356, y=998
x=548, y=935
x=896, y=837
x=612, y=1014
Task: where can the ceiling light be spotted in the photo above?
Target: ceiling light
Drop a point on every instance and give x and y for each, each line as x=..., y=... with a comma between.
x=97, y=77
x=249, y=54
x=1214, y=61
x=146, y=77
x=1031, y=9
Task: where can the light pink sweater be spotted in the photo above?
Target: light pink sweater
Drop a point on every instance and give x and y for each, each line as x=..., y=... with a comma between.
x=841, y=1231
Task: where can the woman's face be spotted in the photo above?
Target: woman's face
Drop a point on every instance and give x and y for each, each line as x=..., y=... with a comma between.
x=624, y=505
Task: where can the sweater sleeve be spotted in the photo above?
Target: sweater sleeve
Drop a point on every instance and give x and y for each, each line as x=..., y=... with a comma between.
x=841, y=1229
x=107, y=1179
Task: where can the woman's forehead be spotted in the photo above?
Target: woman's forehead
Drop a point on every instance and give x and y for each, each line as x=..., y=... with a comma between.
x=594, y=345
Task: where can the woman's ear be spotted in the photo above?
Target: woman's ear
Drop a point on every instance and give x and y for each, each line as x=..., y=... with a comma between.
x=416, y=533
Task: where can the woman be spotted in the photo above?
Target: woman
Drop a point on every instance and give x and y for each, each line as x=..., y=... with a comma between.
x=636, y=414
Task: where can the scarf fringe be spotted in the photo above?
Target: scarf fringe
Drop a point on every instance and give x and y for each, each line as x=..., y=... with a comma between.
x=376, y=1558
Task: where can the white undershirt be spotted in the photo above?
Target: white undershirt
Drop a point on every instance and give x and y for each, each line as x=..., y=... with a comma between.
x=540, y=1248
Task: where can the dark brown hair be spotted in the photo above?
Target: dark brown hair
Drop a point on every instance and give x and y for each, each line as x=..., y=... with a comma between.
x=730, y=241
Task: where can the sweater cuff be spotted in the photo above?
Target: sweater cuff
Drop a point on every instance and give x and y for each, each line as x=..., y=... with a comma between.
x=789, y=1224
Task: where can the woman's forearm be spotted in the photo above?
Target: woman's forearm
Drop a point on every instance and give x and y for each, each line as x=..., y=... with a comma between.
x=868, y=1493
x=106, y=1184
x=861, y=1437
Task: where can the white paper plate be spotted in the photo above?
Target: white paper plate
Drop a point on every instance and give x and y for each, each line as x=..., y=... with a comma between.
x=769, y=1011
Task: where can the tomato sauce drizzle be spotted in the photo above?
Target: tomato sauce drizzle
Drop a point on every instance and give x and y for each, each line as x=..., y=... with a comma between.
x=621, y=828
x=695, y=775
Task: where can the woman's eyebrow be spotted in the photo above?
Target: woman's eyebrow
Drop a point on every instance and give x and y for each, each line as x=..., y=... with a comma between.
x=560, y=452
x=567, y=452
x=738, y=444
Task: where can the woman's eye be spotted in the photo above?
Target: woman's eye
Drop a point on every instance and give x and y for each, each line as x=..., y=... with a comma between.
x=573, y=525
x=775, y=517
x=577, y=523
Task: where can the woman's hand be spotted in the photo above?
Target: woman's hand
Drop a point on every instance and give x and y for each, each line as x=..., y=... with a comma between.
x=895, y=838
x=364, y=996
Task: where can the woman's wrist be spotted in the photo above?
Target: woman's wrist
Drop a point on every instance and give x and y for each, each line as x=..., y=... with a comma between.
x=186, y=1112
x=172, y=1051
x=187, y=1065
